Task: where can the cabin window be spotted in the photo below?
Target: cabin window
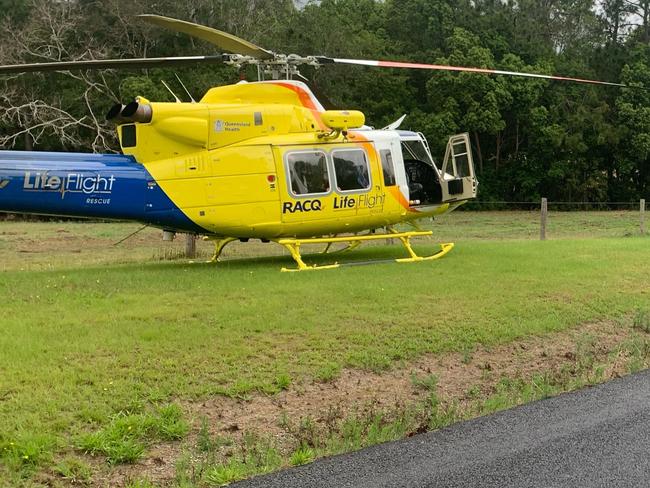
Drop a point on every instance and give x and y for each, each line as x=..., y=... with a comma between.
x=461, y=159
x=308, y=173
x=351, y=168
x=387, y=167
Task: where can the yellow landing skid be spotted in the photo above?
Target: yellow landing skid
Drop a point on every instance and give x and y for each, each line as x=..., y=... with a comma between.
x=293, y=245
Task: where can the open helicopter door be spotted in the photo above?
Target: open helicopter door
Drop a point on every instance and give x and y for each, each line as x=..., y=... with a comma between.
x=459, y=181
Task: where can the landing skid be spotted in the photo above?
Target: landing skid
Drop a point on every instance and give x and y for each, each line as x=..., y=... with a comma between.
x=219, y=244
x=293, y=246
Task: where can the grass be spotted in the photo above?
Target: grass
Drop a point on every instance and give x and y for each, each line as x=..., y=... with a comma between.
x=506, y=225
x=95, y=339
x=48, y=246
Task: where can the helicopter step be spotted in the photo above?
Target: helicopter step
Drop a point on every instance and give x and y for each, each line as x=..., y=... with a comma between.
x=293, y=246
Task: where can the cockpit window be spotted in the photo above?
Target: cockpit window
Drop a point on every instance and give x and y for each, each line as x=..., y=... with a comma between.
x=308, y=173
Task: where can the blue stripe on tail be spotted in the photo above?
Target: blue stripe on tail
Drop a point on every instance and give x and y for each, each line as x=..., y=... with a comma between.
x=107, y=186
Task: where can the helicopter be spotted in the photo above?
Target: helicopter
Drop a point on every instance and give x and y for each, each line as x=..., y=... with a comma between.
x=252, y=160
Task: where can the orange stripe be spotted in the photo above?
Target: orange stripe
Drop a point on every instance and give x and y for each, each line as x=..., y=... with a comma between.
x=394, y=190
x=305, y=100
x=397, y=195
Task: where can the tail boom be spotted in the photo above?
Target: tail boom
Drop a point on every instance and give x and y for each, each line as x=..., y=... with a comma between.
x=106, y=186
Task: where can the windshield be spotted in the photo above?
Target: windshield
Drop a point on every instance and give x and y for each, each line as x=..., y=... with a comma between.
x=416, y=150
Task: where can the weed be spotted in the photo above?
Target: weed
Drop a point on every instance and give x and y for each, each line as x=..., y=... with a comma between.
x=283, y=421
x=370, y=361
x=544, y=385
x=24, y=452
x=171, y=425
x=260, y=453
x=255, y=455
x=328, y=372
x=185, y=473
x=124, y=439
x=368, y=428
x=467, y=355
x=140, y=483
x=203, y=439
x=584, y=354
x=442, y=415
x=74, y=470
x=283, y=381
x=474, y=392
x=123, y=451
x=227, y=473
x=641, y=320
x=637, y=350
x=302, y=455
x=427, y=383
x=305, y=433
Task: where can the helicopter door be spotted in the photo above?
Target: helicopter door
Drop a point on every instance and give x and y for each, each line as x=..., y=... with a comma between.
x=459, y=182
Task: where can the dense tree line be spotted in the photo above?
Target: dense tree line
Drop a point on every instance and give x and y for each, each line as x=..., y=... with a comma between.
x=531, y=137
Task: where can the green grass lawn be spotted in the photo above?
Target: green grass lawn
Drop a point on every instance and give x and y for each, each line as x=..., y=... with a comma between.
x=85, y=336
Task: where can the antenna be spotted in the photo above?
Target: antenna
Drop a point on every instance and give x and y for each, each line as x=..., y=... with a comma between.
x=178, y=100
x=185, y=88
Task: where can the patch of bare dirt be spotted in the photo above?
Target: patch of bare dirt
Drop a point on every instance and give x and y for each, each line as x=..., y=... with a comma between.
x=456, y=374
x=354, y=391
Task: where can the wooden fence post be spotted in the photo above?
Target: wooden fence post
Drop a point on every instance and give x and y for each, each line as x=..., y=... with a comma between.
x=642, y=209
x=542, y=229
x=190, y=246
x=389, y=242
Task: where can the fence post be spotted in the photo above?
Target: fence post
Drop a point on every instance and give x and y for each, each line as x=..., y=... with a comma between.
x=190, y=246
x=542, y=228
x=389, y=242
x=642, y=209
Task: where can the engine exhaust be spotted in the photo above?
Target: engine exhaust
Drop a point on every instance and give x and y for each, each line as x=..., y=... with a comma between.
x=137, y=112
x=114, y=114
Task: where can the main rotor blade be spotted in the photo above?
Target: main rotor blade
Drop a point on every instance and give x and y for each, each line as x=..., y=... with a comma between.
x=442, y=67
x=134, y=63
x=223, y=40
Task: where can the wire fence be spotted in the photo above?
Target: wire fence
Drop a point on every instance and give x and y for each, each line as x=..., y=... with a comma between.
x=559, y=205
x=543, y=219
x=510, y=221
x=483, y=220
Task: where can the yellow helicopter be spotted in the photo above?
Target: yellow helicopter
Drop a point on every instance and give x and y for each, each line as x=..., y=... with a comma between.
x=258, y=160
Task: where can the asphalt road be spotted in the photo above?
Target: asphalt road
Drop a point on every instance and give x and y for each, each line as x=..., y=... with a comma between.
x=596, y=437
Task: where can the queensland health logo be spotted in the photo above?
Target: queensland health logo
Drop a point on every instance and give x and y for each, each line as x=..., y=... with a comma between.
x=68, y=183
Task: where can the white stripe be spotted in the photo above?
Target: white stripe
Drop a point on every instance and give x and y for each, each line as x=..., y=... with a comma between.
x=357, y=61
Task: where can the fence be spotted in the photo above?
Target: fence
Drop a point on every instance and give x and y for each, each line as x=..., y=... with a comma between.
x=544, y=208
x=532, y=220
x=544, y=214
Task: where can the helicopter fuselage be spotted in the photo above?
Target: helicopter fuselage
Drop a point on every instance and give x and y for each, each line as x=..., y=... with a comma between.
x=244, y=169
